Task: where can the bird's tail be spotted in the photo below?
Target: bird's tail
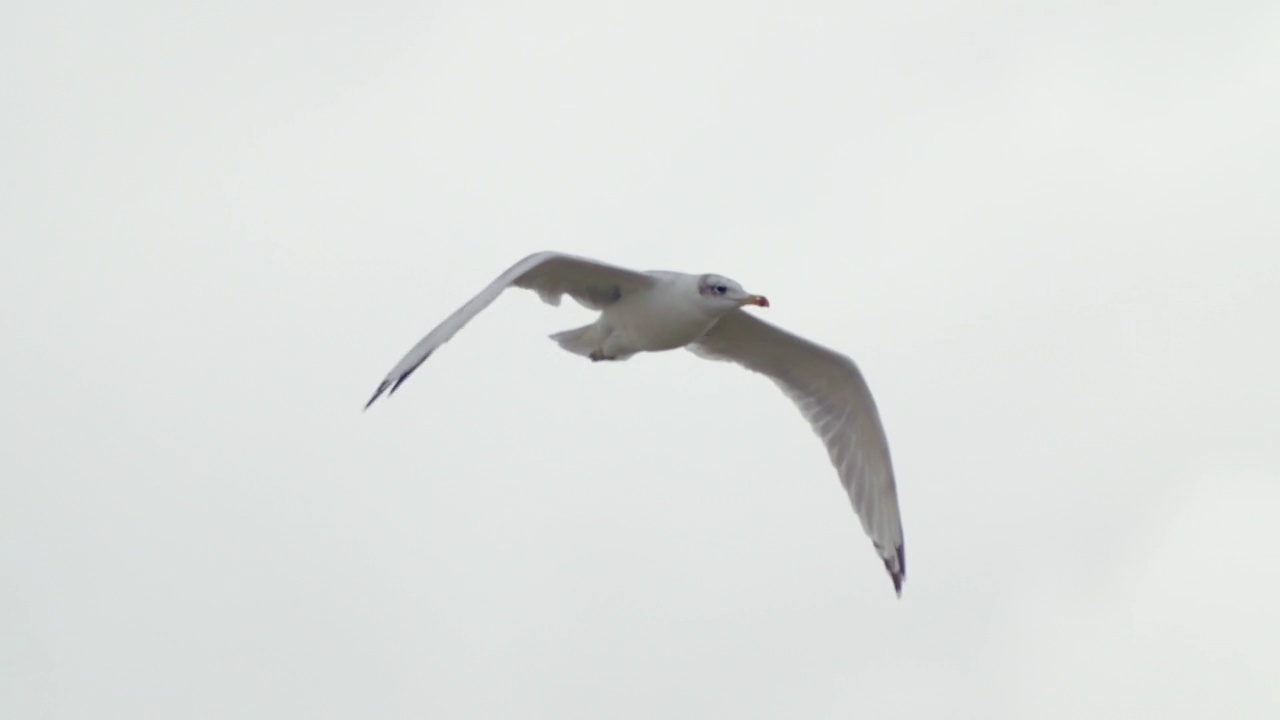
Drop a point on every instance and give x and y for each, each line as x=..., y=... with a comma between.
x=581, y=341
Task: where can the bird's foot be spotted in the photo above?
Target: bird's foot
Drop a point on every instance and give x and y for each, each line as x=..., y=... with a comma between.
x=598, y=354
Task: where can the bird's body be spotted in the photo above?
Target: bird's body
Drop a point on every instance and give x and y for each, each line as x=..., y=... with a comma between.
x=660, y=310
x=653, y=320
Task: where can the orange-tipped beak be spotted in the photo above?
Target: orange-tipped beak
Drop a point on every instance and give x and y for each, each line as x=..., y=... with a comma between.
x=760, y=300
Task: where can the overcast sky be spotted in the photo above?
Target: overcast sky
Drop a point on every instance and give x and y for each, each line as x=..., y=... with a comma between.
x=1047, y=232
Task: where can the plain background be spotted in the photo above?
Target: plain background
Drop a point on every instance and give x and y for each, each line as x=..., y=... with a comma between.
x=1046, y=231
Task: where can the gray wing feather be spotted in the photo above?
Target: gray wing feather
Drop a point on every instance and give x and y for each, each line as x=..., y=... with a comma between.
x=551, y=275
x=833, y=396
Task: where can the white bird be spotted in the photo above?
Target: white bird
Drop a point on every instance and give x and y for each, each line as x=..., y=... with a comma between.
x=660, y=310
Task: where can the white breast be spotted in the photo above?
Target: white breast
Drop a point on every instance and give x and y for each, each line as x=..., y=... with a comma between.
x=668, y=316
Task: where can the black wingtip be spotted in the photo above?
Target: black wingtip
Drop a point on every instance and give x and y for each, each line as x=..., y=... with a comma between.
x=377, y=393
x=898, y=570
x=382, y=387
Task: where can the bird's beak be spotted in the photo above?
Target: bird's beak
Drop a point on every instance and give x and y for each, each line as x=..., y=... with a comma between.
x=760, y=300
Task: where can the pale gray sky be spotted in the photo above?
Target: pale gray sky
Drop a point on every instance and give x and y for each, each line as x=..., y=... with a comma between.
x=1047, y=232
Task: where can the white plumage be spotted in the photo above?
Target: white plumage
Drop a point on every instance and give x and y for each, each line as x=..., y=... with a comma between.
x=658, y=310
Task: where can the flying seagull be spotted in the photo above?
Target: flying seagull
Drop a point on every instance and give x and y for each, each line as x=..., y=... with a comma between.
x=660, y=310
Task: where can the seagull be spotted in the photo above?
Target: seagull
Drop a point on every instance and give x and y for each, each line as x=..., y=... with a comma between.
x=660, y=310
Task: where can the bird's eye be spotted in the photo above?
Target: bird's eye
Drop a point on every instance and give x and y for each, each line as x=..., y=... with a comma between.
x=721, y=289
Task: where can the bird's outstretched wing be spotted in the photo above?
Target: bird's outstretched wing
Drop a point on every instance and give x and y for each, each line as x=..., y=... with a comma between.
x=834, y=398
x=551, y=275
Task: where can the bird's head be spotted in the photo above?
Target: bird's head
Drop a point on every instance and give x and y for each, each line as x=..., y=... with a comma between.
x=727, y=294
